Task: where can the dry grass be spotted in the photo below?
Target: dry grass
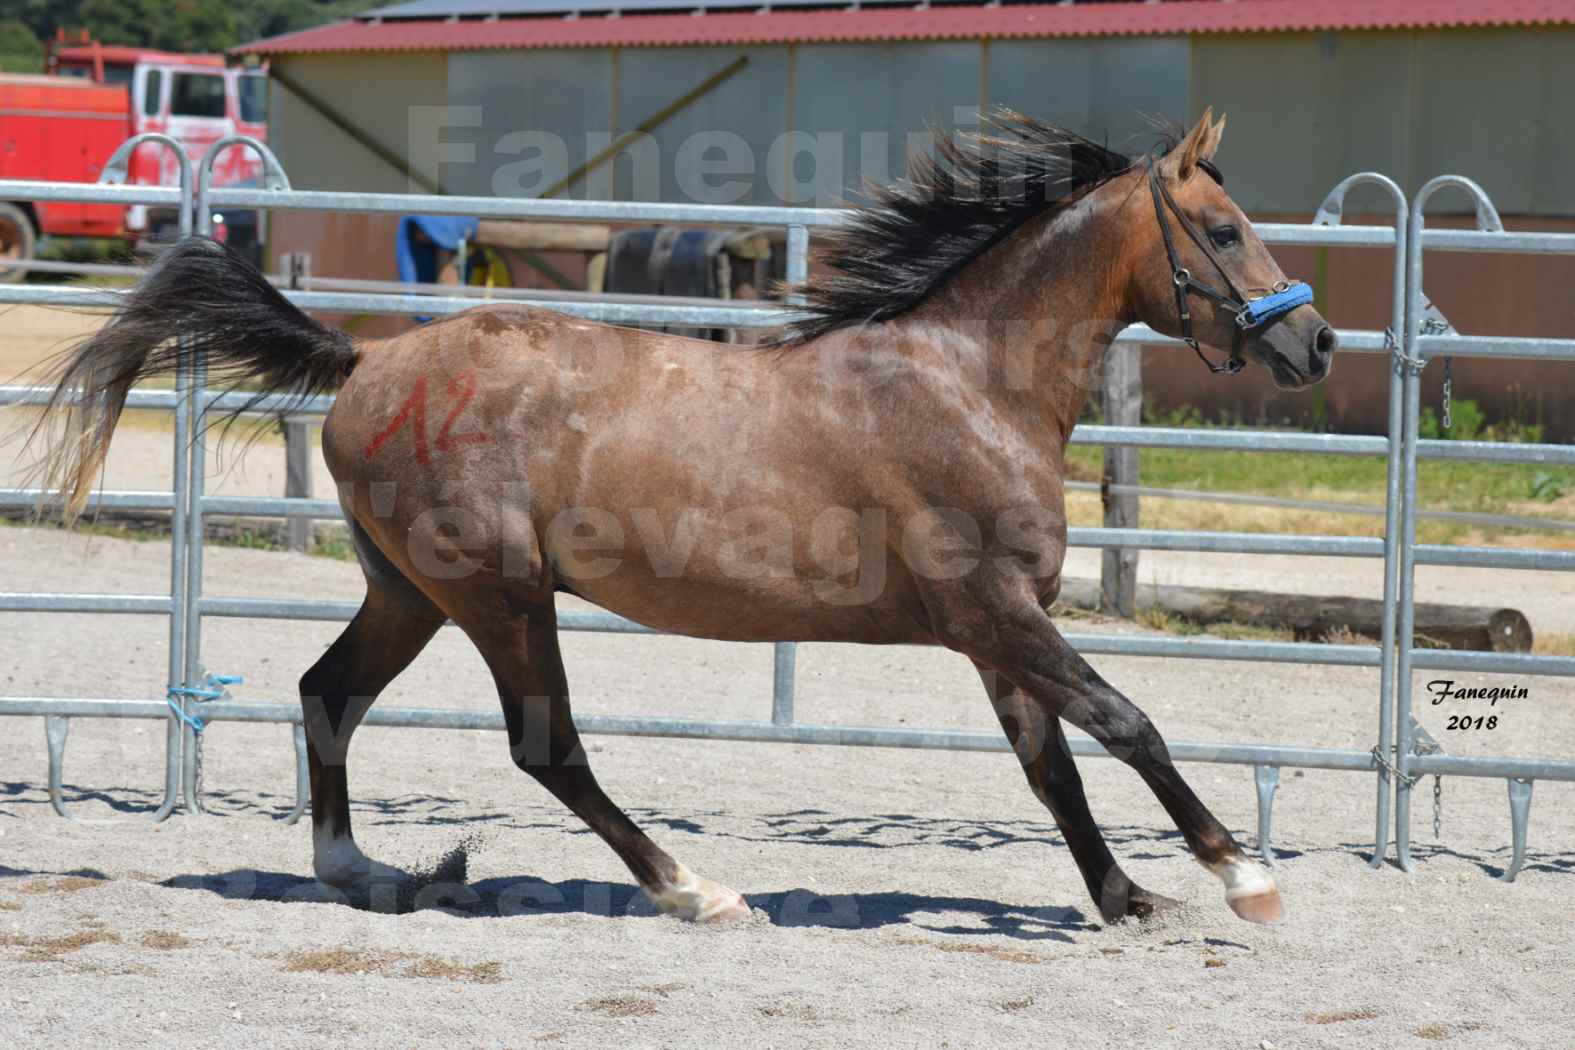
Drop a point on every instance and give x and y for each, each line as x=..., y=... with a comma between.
x=1159, y=619
x=352, y=961
x=10, y=906
x=53, y=949
x=1341, y=1016
x=663, y=990
x=436, y=968
x=1554, y=645
x=800, y=1012
x=62, y=884
x=619, y=1006
x=1011, y=955
x=1431, y=1031
x=164, y=940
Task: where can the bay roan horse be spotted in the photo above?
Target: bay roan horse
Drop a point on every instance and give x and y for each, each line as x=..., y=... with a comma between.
x=888, y=471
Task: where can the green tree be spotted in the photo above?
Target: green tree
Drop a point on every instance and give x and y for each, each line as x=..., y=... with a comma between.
x=172, y=25
x=20, y=51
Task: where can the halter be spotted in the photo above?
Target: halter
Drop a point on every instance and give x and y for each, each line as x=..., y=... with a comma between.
x=1250, y=313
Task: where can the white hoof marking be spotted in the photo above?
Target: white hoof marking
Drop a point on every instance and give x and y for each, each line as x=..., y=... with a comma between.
x=695, y=899
x=1244, y=878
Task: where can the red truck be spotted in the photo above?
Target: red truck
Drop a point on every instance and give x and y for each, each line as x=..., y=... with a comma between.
x=64, y=124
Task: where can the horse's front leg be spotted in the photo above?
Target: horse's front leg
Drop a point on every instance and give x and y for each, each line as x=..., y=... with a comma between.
x=1014, y=636
x=1041, y=747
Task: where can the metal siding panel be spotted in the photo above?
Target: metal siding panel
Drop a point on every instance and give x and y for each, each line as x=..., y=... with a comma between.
x=854, y=94
x=564, y=94
x=1282, y=146
x=1372, y=86
x=374, y=94
x=751, y=104
x=1479, y=106
x=1099, y=88
x=1554, y=192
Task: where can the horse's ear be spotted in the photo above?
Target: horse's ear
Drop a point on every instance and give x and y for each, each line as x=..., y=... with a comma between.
x=1211, y=141
x=1182, y=159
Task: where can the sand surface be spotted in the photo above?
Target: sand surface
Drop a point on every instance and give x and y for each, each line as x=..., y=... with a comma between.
x=903, y=898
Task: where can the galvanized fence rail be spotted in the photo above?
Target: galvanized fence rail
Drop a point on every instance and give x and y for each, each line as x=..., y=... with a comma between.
x=1418, y=755
x=190, y=689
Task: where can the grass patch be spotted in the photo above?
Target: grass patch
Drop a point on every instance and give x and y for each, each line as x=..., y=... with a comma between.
x=1487, y=488
x=332, y=541
x=1159, y=619
x=1553, y=645
x=62, y=884
x=345, y=962
x=1011, y=955
x=619, y=1006
x=801, y=1012
x=164, y=940
x=53, y=949
x=1341, y=1016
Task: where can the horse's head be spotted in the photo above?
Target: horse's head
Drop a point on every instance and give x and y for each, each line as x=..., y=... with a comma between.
x=1203, y=275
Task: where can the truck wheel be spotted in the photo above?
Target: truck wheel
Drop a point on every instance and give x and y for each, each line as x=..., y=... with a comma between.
x=16, y=242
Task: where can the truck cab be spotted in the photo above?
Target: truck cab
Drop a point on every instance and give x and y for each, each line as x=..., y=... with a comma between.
x=194, y=99
x=65, y=123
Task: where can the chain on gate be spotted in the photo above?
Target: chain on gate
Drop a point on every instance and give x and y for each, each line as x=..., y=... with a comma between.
x=1422, y=743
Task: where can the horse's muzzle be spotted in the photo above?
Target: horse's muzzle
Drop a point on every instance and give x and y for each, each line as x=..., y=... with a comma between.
x=1298, y=349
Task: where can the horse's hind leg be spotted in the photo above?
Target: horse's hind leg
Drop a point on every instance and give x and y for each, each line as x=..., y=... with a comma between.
x=1041, y=747
x=543, y=741
x=394, y=623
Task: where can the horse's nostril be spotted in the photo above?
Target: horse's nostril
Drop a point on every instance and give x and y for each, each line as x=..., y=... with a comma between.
x=1325, y=341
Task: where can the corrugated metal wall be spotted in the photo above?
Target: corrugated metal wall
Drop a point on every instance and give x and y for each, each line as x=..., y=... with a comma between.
x=1305, y=109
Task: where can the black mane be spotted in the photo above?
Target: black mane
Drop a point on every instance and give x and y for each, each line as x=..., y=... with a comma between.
x=905, y=240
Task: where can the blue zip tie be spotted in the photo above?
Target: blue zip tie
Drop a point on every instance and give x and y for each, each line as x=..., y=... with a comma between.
x=195, y=724
x=173, y=692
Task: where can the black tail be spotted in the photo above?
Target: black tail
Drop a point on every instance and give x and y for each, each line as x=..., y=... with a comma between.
x=199, y=298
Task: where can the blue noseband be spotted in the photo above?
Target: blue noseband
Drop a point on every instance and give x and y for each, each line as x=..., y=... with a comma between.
x=1259, y=312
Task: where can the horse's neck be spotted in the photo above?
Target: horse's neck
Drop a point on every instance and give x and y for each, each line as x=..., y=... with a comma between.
x=1039, y=309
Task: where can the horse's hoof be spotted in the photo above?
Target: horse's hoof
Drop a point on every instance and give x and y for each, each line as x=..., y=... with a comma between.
x=341, y=864
x=1260, y=907
x=694, y=899
x=1250, y=891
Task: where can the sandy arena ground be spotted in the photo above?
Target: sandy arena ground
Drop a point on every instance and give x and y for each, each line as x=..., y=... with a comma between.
x=903, y=899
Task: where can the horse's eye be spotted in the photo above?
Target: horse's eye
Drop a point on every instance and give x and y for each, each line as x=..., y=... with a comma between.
x=1224, y=236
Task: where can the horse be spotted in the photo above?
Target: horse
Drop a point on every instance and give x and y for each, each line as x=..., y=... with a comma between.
x=887, y=470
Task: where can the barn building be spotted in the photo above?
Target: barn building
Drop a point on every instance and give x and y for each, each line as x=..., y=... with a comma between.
x=795, y=101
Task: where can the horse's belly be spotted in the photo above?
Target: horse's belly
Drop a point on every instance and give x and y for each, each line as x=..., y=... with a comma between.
x=779, y=609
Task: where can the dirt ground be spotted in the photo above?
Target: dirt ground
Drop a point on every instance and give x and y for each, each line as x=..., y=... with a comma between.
x=902, y=898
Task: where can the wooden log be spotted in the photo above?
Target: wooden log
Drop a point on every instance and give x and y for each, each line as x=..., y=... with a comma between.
x=543, y=236
x=1314, y=617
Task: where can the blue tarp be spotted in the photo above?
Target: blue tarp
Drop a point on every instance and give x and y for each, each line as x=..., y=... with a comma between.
x=417, y=258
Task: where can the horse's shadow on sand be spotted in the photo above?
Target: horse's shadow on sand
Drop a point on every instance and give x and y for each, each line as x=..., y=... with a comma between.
x=530, y=896
x=523, y=895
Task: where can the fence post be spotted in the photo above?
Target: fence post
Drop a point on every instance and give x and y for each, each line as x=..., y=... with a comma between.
x=297, y=478
x=1122, y=399
x=297, y=435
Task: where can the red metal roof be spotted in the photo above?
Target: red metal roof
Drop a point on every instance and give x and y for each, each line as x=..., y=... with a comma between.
x=115, y=54
x=931, y=23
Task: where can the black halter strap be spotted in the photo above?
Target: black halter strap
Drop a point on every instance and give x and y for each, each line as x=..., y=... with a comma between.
x=1182, y=278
